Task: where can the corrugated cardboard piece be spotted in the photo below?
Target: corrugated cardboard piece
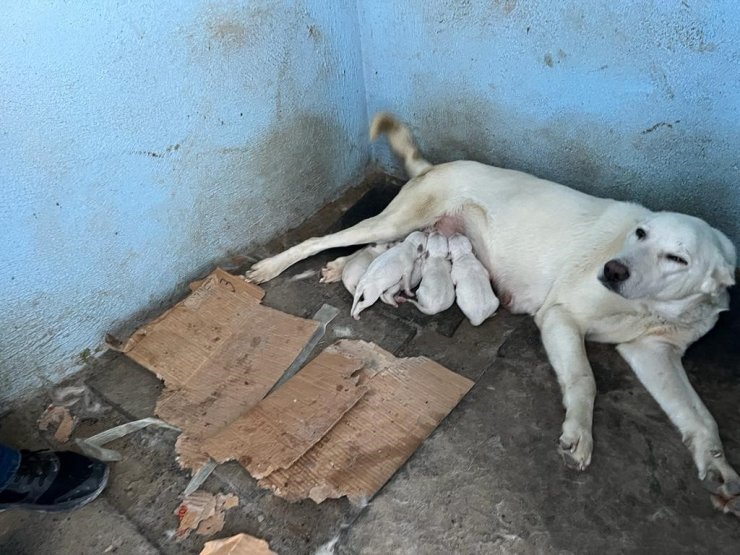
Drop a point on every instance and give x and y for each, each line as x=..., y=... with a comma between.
x=341, y=426
x=219, y=352
x=241, y=544
x=281, y=428
x=398, y=402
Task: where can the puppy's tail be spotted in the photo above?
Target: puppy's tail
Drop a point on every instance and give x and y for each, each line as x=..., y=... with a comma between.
x=402, y=142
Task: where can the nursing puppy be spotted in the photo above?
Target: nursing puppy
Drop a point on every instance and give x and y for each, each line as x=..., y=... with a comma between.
x=436, y=292
x=472, y=283
x=387, y=271
x=358, y=263
x=586, y=268
x=390, y=295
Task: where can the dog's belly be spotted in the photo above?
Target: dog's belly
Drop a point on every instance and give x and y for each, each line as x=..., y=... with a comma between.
x=450, y=224
x=519, y=291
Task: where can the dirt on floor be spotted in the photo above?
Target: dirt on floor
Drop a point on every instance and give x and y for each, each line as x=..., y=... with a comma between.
x=488, y=480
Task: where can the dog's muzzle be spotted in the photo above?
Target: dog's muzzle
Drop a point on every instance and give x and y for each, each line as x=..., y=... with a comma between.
x=613, y=274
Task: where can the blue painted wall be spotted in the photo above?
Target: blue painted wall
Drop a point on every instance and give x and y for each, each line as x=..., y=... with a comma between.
x=140, y=142
x=634, y=99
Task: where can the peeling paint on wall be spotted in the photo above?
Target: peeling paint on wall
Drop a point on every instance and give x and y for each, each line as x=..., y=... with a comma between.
x=631, y=100
x=141, y=144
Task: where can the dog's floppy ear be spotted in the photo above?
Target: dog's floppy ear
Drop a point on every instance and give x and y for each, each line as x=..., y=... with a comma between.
x=718, y=279
x=722, y=274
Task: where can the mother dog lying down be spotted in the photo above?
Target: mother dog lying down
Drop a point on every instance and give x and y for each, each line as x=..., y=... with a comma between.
x=586, y=268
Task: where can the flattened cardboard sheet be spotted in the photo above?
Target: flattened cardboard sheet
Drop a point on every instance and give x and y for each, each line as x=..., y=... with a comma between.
x=281, y=428
x=404, y=401
x=219, y=352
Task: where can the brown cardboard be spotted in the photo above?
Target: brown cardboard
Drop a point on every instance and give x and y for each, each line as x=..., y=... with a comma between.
x=281, y=428
x=241, y=544
x=403, y=402
x=341, y=426
x=204, y=513
x=61, y=418
x=219, y=352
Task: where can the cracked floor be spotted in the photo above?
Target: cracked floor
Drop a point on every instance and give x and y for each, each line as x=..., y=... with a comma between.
x=488, y=480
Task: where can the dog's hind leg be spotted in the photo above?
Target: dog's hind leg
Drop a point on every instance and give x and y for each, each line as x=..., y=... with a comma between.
x=389, y=295
x=409, y=211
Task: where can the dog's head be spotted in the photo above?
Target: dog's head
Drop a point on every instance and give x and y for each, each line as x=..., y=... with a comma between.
x=669, y=257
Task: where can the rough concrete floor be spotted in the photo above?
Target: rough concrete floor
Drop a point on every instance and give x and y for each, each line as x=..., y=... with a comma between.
x=489, y=479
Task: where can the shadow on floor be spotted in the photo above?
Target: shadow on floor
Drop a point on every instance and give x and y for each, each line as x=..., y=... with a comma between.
x=489, y=480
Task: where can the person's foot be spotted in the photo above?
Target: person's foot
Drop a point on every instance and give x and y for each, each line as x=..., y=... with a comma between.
x=54, y=481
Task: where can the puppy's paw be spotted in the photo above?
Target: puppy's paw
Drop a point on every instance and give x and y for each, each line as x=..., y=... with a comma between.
x=576, y=446
x=332, y=271
x=263, y=271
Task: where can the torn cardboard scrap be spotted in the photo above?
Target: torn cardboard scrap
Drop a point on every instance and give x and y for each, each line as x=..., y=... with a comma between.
x=343, y=425
x=59, y=417
x=241, y=544
x=204, y=513
x=281, y=428
x=219, y=352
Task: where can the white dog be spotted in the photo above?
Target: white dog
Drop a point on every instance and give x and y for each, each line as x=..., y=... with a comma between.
x=585, y=268
x=388, y=273
x=475, y=296
x=436, y=292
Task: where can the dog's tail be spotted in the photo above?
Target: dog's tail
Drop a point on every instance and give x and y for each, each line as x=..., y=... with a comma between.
x=402, y=142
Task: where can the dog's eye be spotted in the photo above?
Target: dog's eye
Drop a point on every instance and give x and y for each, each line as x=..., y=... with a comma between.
x=641, y=233
x=677, y=259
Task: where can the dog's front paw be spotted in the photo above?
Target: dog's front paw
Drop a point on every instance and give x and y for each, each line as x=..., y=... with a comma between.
x=727, y=505
x=575, y=446
x=263, y=271
x=717, y=475
x=332, y=271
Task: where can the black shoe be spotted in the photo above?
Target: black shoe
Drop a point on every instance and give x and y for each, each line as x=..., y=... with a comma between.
x=54, y=481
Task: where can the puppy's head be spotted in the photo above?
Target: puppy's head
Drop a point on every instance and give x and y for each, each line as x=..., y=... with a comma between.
x=437, y=245
x=459, y=245
x=419, y=240
x=669, y=257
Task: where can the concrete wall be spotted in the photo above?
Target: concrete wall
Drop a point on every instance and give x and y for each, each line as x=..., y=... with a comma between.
x=142, y=141
x=634, y=99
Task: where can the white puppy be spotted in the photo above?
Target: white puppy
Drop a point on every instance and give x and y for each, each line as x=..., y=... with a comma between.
x=391, y=268
x=475, y=295
x=389, y=296
x=436, y=292
x=357, y=264
x=586, y=268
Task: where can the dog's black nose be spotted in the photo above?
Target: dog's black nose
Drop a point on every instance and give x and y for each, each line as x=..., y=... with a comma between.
x=615, y=271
